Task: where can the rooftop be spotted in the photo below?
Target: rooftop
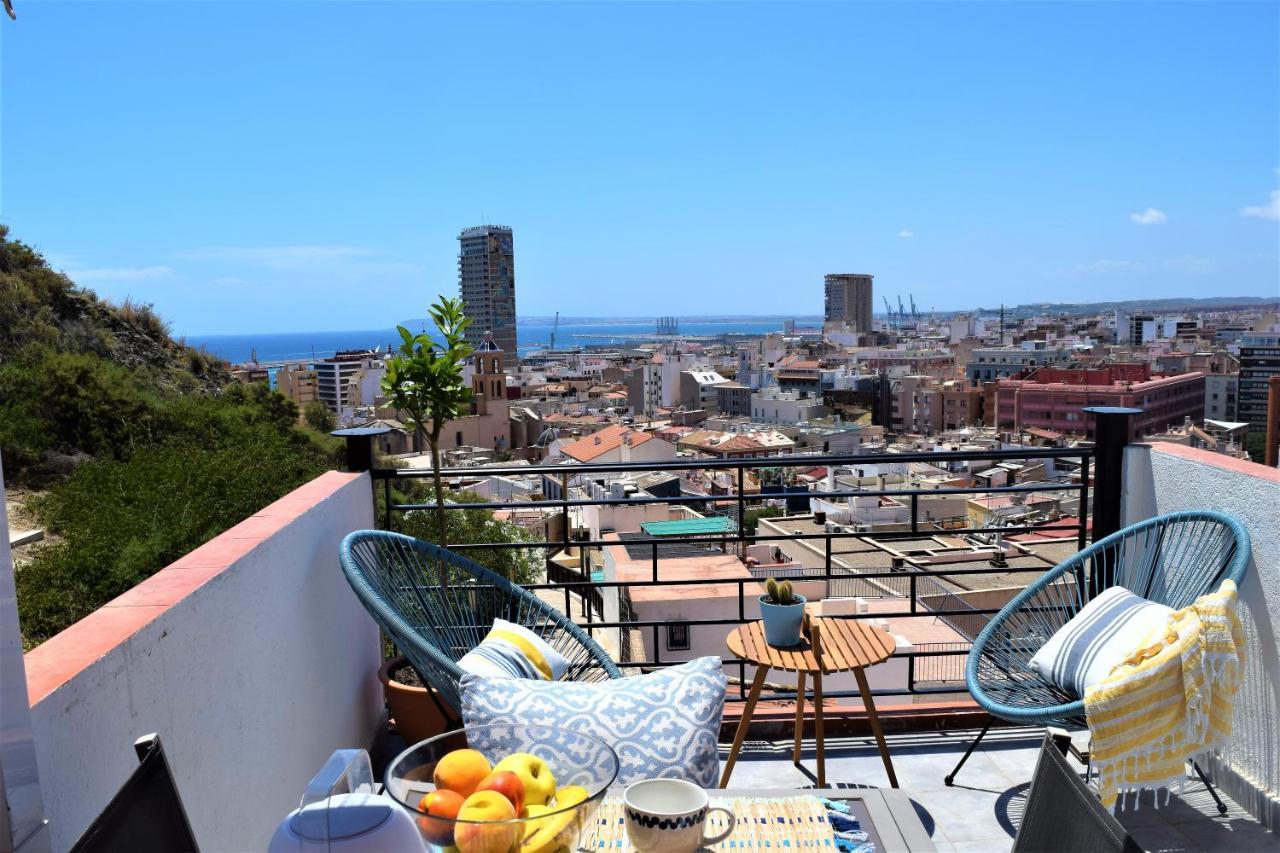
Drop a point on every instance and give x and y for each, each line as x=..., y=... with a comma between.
x=690, y=526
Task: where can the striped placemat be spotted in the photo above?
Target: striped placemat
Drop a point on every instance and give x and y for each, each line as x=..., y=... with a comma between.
x=763, y=823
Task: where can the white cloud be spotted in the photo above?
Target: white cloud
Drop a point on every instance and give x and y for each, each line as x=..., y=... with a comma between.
x=906, y=233
x=1271, y=210
x=120, y=273
x=1150, y=216
x=1191, y=265
x=1106, y=267
x=279, y=257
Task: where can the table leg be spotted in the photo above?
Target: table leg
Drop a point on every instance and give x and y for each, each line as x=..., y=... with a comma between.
x=795, y=752
x=744, y=723
x=817, y=729
x=874, y=719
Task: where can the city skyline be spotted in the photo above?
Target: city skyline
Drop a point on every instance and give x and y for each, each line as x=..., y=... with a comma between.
x=712, y=164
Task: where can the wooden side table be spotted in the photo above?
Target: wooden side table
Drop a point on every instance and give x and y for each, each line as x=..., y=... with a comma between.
x=833, y=645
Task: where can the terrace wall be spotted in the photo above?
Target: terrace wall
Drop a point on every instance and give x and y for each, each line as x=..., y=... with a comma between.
x=250, y=657
x=1162, y=477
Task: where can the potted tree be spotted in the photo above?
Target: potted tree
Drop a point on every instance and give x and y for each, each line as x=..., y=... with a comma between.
x=424, y=381
x=783, y=613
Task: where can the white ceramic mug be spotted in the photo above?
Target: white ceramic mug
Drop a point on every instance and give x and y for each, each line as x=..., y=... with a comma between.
x=668, y=815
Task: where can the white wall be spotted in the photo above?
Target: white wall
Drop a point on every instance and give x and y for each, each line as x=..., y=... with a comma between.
x=251, y=680
x=21, y=814
x=1160, y=478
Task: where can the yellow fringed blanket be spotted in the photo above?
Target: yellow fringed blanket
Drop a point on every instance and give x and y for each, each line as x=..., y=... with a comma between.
x=1169, y=701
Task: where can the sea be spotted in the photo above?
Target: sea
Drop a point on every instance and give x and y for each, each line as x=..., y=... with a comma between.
x=533, y=333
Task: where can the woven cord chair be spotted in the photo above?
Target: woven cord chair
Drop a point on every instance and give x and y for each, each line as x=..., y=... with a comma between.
x=396, y=577
x=1171, y=559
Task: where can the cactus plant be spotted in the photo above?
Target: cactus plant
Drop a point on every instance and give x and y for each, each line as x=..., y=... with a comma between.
x=779, y=592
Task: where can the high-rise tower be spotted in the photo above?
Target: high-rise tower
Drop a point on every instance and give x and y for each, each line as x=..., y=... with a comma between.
x=487, y=279
x=848, y=300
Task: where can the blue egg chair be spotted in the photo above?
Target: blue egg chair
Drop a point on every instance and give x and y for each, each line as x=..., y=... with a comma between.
x=1171, y=559
x=397, y=579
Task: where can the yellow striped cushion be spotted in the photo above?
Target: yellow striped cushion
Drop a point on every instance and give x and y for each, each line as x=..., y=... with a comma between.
x=513, y=651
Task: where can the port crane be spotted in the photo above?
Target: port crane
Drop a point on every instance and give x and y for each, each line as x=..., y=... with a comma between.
x=888, y=310
x=554, y=327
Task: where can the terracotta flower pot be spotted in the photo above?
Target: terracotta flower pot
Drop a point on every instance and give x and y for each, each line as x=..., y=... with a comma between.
x=413, y=709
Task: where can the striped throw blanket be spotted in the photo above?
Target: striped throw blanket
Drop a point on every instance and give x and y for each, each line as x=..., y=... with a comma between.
x=1168, y=702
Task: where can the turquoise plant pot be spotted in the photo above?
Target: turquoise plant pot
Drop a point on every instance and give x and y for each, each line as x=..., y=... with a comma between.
x=782, y=622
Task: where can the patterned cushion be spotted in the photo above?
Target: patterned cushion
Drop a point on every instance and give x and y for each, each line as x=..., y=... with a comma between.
x=664, y=724
x=1108, y=629
x=513, y=651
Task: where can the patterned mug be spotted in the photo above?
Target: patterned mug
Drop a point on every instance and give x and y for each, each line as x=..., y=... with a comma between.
x=668, y=815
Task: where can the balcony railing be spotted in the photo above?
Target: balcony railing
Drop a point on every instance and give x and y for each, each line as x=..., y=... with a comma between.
x=931, y=667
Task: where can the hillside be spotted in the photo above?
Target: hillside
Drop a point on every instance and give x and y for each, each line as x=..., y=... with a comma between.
x=130, y=447
x=42, y=307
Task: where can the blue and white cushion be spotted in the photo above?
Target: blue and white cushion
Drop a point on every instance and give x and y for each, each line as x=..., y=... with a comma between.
x=664, y=724
x=513, y=651
x=1107, y=630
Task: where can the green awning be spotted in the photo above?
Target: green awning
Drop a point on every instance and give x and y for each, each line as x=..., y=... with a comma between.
x=690, y=526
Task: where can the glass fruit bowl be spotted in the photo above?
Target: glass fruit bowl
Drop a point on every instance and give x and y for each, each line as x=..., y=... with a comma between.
x=538, y=787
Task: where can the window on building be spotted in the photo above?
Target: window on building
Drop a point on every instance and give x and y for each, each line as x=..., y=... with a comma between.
x=678, y=637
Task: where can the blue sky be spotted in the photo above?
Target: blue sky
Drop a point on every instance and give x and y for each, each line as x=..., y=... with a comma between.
x=256, y=166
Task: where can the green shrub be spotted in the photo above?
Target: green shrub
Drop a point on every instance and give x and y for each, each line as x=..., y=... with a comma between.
x=319, y=417
x=471, y=526
x=144, y=454
x=72, y=403
x=120, y=521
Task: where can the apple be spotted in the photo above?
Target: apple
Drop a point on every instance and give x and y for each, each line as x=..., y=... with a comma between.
x=506, y=783
x=539, y=782
x=482, y=827
x=570, y=795
x=461, y=771
x=441, y=807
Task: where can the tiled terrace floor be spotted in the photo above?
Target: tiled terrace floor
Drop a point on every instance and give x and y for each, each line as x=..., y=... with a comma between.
x=982, y=811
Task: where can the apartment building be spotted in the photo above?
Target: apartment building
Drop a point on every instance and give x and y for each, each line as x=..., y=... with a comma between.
x=298, y=382
x=987, y=364
x=1259, y=361
x=733, y=399
x=615, y=443
x=924, y=405
x=698, y=389
x=487, y=281
x=734, y=445
x=775, y=406
x=644, y=388
x=1220, y=396
x=347, y=379
x=907, y=361
x=1054, y=398
x=847, y=300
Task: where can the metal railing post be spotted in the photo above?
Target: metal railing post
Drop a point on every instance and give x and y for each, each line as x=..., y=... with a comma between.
x=742, y=512
x=359, y=441
x=1082, y=514
x=1112, y=425
x=360, y=446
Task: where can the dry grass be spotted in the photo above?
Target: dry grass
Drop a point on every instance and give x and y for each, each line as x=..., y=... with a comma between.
x=143, y=316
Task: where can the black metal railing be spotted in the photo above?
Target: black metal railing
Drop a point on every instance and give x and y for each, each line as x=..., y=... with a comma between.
x=605, y=605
